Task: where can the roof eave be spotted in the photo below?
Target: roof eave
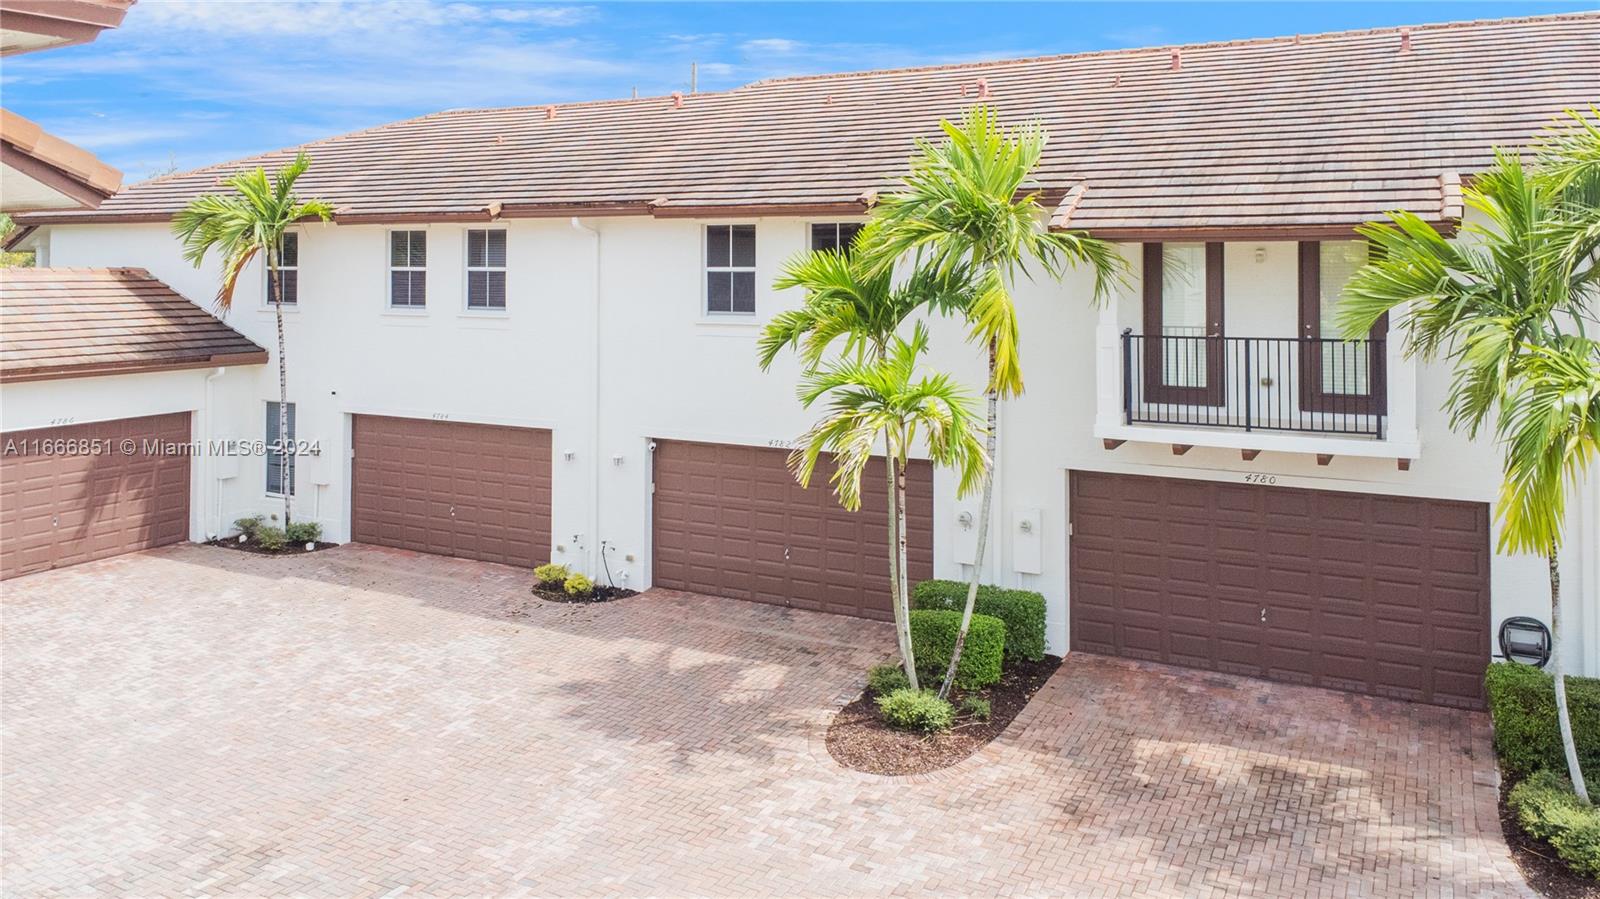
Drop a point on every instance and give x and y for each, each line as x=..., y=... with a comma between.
x=64, y=372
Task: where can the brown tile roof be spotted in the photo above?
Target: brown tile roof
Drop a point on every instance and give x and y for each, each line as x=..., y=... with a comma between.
x=75, y=322
x=1308, y=132
x=69, y=170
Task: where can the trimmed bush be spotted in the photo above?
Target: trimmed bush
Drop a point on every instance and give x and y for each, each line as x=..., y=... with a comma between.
x=1547, y=808
x=933, y=638
x=551, y=575
x=885, y=679
x=910, y=709
x=578, y=585
x=249, y=525
x=1522, y=701
x=303, y=532
x=271, y=538
x=1021, y=610
x=977, y=707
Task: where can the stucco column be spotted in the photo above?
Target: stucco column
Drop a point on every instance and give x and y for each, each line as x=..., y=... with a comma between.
x=1401, y=371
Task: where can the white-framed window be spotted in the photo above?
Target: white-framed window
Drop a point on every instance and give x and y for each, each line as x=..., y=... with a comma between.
x=731, y=269
x=834, y=235
x=408, y=269
x=280, y=467
x=486, y=269
x=288, y=271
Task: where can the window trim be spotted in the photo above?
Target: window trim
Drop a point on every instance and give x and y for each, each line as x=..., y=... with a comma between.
x=266, y=278
x=1155, y=390
x=706, y=270
x=266, y=468
x=390, y=268
x=1312, y=397
x=467, y=268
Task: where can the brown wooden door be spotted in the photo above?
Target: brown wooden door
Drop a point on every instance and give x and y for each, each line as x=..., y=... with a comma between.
x=452, y=488
x=1336, y=376
x=74, y=494
x=731, y=521
x=1184, y=362
x=1372, y=594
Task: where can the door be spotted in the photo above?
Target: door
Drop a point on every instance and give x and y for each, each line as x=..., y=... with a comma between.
x=1337, y=376
x=1183, y=324
x=1367, y=593
x=83, y=492
x=452, y=488
x=731, y=521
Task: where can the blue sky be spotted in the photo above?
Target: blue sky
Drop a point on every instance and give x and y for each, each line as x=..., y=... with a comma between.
x=188, y=82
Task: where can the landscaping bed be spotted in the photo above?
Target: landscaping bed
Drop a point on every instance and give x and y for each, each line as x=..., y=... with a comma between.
x=289, y=549
x=599, y=593
x=860, y=739
x=558, y=583
x=261, y=535
x=1537, y=860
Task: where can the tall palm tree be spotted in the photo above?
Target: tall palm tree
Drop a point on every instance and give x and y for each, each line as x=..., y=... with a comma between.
x=240, y=226
x=871, y=400
x=969, y=201
x=1510, y=305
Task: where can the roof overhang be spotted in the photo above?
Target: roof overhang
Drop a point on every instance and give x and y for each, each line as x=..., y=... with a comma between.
x=29, y=25
x=41, y=172
x=63, y=372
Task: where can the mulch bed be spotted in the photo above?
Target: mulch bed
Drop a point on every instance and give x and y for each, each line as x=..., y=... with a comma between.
x=1540, y=866
x=859, y=739
x=289, y=549
x=601, y=593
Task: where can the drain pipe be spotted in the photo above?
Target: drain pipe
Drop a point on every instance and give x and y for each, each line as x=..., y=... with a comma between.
x=208, y=466
x=595, y=546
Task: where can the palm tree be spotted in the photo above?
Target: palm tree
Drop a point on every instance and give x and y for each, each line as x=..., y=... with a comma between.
x=871, y=399
x=247, y=223
x=1510, y=307
x=968, y=201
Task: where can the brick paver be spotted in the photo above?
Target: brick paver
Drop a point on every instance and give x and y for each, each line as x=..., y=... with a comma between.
x=366, y=722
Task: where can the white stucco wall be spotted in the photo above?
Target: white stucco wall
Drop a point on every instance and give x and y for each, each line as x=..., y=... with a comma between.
x=665, y=370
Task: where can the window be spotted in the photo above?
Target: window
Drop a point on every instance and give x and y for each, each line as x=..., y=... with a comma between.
x=280, y=472
x=1183, y=323
x=1343, y=371
x=408, y=269
x=486, y=269
x=834, y=235
x=731, y=269
x=288, y=271
x=1337, y=375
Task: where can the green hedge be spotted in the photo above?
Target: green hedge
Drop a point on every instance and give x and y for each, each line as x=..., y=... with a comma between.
x=933, y=638
x=1547, y=808
x=1522, y=701
x=1021, y=610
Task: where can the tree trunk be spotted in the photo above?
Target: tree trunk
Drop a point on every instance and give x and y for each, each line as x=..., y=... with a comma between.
x=902, y=593
x=286, y=480
x=990, y=441
x=1558, y=672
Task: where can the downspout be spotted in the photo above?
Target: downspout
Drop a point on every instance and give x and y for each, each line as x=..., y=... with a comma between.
x=209, y=486
x=596, y=565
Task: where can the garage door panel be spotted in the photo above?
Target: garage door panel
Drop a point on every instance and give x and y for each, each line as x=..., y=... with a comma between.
x=1362, y=592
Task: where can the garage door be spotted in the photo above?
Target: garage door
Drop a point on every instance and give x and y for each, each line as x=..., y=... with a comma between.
x=731, y=521
x=74, y=494
x=469, y=490
x=1372, y=594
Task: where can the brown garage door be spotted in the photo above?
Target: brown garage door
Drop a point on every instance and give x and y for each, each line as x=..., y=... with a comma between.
x=731, y=521
x=1373, y=594
x=469, y=490
x=72, y=494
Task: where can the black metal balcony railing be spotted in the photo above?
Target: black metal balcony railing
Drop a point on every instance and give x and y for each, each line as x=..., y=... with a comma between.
x=1255, y=383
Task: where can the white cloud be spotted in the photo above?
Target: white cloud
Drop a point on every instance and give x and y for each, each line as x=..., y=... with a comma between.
x=777, y=45
x=335, y=18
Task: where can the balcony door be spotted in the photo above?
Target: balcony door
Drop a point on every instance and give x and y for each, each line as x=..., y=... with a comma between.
x=1337, y=376
x=1183, y=351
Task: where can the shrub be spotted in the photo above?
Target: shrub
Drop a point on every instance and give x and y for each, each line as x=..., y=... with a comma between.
x=977, y=707
x=933, y=638
x=885, y=679
x=1547, y=808
x=1522, y=702
x=910, y=709
x=303, y=532
x=1021, y=610
x=550, y=575
x=271, y=538
x=578, y=585
x=248, y=526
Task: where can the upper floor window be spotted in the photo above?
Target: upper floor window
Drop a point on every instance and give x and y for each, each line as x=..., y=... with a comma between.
x=280, y=466
x=486, y=269
x=408, y=269
x=288, y=271
x=834, y=235
x=731, y=269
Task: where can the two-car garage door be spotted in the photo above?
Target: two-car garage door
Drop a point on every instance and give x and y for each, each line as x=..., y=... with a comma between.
x=1373, y=594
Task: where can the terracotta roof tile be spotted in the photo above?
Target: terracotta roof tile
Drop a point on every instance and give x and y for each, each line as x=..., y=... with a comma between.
x=1319, y=131
x=73, y=322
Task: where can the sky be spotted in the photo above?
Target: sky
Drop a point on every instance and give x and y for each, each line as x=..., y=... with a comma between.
x=185, y=83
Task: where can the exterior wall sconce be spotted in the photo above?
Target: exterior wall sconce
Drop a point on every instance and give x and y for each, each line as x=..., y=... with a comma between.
x=1525, y=640
x=965, y=520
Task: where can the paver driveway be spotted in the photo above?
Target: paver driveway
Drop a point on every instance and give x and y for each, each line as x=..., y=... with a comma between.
x=362, y=721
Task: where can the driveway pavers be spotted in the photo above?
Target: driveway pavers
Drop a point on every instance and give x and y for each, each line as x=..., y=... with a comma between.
x=363, y=721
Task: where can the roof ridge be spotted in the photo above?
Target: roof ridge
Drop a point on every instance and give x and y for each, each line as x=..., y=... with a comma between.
x=1131, y=51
